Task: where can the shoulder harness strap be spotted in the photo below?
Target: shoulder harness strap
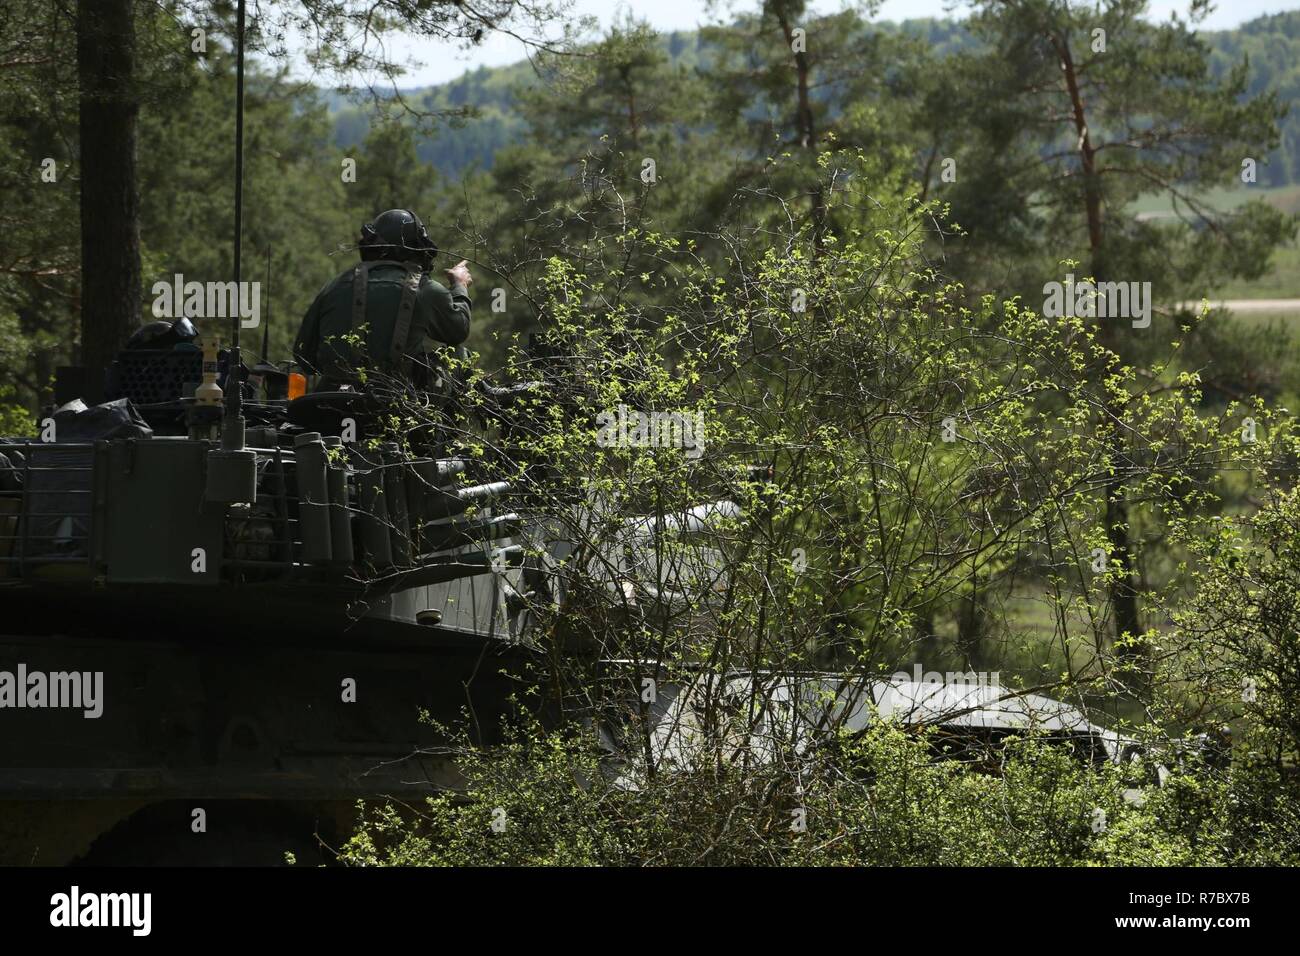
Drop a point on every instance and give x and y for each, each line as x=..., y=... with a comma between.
x=405, y=308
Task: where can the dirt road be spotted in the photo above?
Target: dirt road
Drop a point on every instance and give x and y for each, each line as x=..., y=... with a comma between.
x=1249, y=305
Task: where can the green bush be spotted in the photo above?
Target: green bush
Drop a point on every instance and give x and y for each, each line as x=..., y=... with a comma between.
x=881, y=799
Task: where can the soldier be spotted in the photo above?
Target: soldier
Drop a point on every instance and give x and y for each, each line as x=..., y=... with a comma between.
x=377, y=316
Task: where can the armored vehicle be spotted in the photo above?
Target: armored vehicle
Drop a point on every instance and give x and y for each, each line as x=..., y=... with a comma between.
x=212, y=648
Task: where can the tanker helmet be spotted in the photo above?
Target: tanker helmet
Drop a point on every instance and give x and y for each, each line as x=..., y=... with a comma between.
x=397, y=234
x=163, y=334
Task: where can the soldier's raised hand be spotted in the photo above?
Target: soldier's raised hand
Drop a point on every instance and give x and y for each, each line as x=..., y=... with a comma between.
x=459, y=274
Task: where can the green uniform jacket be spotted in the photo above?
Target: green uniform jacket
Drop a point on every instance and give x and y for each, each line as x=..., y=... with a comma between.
x=439, y=314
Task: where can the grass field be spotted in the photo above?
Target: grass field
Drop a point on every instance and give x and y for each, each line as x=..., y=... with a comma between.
x=1286, y=198
x=1287, y=320
x=1282, y=281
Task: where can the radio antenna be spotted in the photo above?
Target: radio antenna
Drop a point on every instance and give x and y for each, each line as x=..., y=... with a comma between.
x=266, y=319
x=232, y=468
x=232, y=430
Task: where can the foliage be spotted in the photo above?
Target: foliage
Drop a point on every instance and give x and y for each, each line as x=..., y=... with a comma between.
x=881, y=800
x=842, y=372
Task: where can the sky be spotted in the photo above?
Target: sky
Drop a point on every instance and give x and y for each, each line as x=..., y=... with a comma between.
x=443, y=62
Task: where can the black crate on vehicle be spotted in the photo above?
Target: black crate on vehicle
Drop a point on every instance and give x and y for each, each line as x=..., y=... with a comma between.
x=153, y=376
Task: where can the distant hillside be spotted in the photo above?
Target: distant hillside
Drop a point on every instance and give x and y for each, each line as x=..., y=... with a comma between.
x=1272, y=44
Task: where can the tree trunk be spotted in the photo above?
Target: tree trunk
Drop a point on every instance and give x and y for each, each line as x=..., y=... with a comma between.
x=1123, y=590
x=110, y=200
x=972, y=624
x=806, y=128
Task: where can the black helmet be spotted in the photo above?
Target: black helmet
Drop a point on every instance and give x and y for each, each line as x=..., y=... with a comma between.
x=396, y=234
x=163, y=334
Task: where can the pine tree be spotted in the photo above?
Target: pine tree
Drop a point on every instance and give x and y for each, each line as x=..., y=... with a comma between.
x=1084, y=108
